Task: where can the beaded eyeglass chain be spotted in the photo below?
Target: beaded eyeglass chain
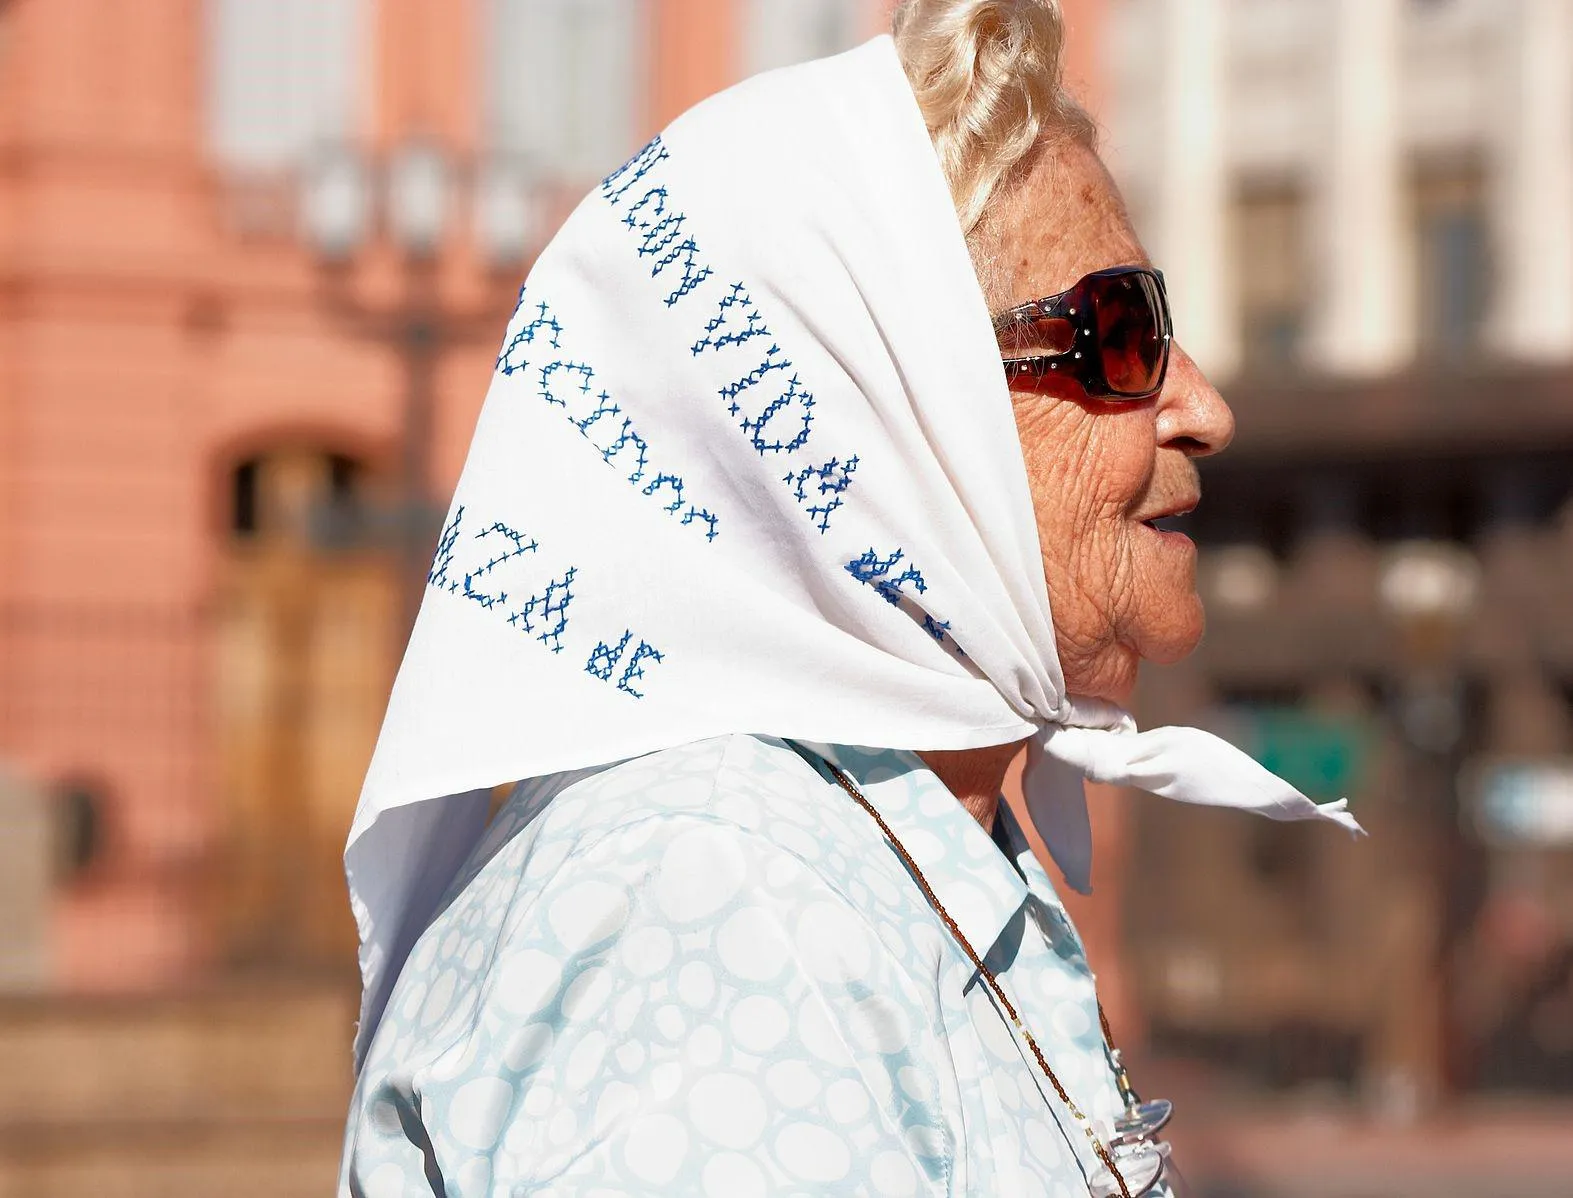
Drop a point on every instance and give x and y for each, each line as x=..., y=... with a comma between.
x=1098, y=1146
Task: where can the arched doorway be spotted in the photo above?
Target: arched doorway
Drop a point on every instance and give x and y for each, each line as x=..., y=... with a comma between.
x=307, y=608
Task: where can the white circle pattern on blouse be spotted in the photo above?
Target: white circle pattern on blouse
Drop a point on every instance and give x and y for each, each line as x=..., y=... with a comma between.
x=698, y=972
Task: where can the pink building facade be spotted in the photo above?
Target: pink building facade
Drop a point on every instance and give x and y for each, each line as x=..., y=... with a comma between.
x=168, y=336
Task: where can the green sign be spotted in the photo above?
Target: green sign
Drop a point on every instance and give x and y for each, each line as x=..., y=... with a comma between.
x=1324, y=756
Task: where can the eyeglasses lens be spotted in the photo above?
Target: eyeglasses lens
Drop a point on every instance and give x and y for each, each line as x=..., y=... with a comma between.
x=1130, y=336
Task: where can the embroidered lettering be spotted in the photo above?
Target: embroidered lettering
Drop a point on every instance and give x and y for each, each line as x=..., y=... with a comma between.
x=794, y=397
x=655, y=237
x=723, y=330
x=635, y=668
x=627, y=440
x=566, y=384
x=676, y=485
x=694, y=273
x=519, y=335
x=655, y=200
x=549, y=605
x=773, y=361
x=437, y=576
x=616, y=184
x=880, y=573
x=517, y=545
x=875, y=571
x=604, y=660
x=818, y=489
x=673, y=482
x=603, y=407
x=544, y=614
x=559, y=391
x=700, y=514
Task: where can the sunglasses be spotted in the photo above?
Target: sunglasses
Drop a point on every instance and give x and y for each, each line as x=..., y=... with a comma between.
x=1110, y=333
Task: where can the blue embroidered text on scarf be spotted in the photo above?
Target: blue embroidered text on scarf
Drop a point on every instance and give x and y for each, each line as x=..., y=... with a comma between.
x=747, y=464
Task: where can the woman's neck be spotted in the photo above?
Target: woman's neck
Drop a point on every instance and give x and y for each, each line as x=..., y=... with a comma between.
x=974, y=776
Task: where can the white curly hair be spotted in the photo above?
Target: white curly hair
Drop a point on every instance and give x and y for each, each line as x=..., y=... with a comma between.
x=988, y=78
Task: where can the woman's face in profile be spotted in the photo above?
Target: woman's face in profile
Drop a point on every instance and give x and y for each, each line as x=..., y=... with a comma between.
x=1120, y=590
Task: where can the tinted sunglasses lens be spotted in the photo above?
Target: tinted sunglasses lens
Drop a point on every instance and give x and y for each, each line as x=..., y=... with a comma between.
x=1129, y=312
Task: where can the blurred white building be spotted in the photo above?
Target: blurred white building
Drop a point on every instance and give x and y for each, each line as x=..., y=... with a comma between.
x=1365, y=212
x=1350, y=185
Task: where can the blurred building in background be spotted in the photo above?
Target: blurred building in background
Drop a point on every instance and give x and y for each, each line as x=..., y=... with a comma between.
x=256, y=257
x=255, y=261
x=1365, y=212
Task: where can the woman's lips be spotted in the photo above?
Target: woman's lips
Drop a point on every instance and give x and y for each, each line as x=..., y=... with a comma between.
x=1171, y=535
x=1163, y=519
x=1163, y=524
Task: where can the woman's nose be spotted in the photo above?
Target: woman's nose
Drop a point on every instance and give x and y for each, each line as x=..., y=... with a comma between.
x=1192, y=416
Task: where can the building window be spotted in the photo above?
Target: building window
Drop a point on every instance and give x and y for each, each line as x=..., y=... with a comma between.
x=283, y=79
x=1453, y=260
x=243, y=499
x=777, y=33
x=564, y=83
x=1269, y=228
x=310, y=495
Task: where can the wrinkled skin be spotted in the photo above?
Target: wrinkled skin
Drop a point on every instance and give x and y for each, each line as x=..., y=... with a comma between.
x=1120, y=591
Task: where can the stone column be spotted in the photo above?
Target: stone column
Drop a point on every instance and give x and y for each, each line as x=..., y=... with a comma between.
x=1190, y=218
x=1532, y=183
x=27, y=860
x=1362, y=307
x=1526, y=716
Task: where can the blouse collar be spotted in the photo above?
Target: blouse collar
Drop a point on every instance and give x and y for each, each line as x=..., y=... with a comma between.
x=977, y=883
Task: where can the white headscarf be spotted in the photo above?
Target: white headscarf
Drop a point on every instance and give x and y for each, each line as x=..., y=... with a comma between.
x=747, y=464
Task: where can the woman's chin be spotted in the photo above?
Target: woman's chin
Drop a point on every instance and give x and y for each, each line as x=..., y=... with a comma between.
x=1174, y=630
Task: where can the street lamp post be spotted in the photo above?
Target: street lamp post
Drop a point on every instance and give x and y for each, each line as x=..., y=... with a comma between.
x=1428, y=591
x=410, y=197
x=407, y=201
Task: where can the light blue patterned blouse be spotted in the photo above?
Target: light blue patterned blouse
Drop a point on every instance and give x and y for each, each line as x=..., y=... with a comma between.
x=704, y=971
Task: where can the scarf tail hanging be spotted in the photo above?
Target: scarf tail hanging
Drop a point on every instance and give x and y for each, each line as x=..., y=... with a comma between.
x=1188, y=765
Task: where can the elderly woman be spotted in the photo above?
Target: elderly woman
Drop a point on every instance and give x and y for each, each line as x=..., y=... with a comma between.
x=819, y=473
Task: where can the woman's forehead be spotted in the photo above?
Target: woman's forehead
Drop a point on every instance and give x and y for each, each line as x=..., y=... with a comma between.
x=1064, y=220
